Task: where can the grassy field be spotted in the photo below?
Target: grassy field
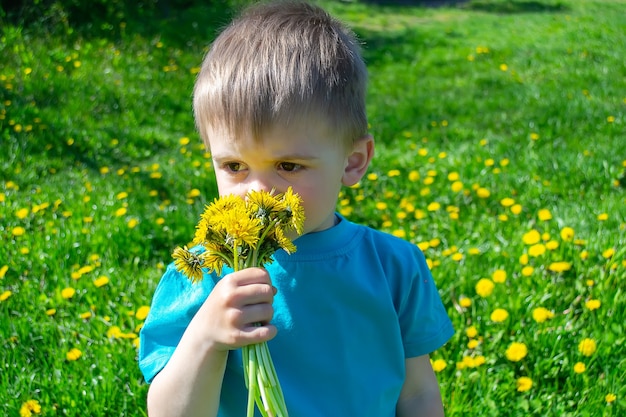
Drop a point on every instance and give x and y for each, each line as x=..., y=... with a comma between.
x=501, y=152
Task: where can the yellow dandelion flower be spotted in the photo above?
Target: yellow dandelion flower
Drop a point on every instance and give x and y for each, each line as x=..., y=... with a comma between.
x=414, y=176
x=587, y=347
x=189, y=263
x=603, y=217
x=372, y=176
x=5, y=295
x=499, y=315
x=593, y=304
x=22, y=213
x=434, y=206
x=142, y=312
x=473, y=344
x=537, y=250
x=552, y=245
x=507, y=202
x=439, y=365
x=456, y=186
x=471, y=331
x=607, y=254
x=68, y=293
x=381, y=205
x=51, y=311
x=541, y=314
x=482, y=192
x=584, y=255
x=499, y=276
x=393, y=173
x=544, y=215
x=73, y=354
x=132, y=223
x=484, y=287
x=101, y=281
x=3, y=271
x=516, y=351
x=465, y=302
x=579, y=367
x=567, y=234
x=561, y=266
x=29, y=408
x=524, y=384
x=122, y=195
x=18, y=231
x=531, y=237
x=527, y=271
x=610, y=397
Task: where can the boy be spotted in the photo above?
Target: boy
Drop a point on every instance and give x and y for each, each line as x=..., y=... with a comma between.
x=352, y=315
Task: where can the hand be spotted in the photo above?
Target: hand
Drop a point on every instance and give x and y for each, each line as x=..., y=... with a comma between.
x=237, y=312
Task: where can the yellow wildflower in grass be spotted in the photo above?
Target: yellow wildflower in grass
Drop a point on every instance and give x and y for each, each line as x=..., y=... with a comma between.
x=523, y=259
x=482, y=192
x=399, y=233
x=499, y=276
x=29, y=408
x=393, y=173
x=544, y=215
x=122, y=195
x=243, y=233
x=132, y=223
x=484, y=287
x=499, y=315
x=73, y=354
x=524, y=384
x=372, y=176
x=516, y=351
x=579, y=367
x=142, y=312
x=567, y=234
x=3, y=271
x=414, y=176
x=537, y=250
x=51, y=311
x=552, y=245
x=5, y=295
x=593, y=304
x=101, y=281
x=561, y=266
x=610, y=397
x=18, y=231
x=456, y=186
x=531, y=237
x=541, y=314
x=587, y=347
x=381, y=205
x=465, y=302
x=471, y=331
x=472, y=344
x=603, y=217
x=434, y=206
x=507, y=202
x=68, y=293
x=516, y=209
x=607, y=254
x=584, y=255
x=22, y=213
x=439, y=365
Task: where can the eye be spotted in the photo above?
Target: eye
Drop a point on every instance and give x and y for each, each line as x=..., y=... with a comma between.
x=289, y=166
x=233, y=166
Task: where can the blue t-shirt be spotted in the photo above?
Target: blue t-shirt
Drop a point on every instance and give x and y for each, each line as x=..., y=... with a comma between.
x=352, y=304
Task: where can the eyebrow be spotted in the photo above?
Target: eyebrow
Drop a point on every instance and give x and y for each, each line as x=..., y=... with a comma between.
x=290, y=157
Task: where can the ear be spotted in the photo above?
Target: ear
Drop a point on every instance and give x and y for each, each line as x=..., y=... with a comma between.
x=358, y=160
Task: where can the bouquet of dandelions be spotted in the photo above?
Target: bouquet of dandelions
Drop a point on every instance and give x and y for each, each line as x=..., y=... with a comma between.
x=243, y=233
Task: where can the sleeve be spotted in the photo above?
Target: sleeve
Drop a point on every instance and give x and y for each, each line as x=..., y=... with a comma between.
x=176, y=300
x=424, y=321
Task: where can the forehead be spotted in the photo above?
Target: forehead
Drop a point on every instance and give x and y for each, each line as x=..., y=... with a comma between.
x=288, y=137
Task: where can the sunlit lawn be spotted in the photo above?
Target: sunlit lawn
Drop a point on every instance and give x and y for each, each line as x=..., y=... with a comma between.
x=501, y=152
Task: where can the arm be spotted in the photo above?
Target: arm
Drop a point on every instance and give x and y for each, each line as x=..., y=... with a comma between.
x=420, y=394
x=191, y=382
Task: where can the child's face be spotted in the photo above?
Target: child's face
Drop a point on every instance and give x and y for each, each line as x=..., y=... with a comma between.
x=303, y=156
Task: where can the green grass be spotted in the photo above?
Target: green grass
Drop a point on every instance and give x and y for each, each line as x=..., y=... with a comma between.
x=103, y=172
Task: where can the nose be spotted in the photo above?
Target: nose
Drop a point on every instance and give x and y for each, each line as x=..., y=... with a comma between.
x=259, y=182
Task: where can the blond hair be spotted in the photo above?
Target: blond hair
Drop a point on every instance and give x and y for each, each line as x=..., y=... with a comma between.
x=279, y=63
